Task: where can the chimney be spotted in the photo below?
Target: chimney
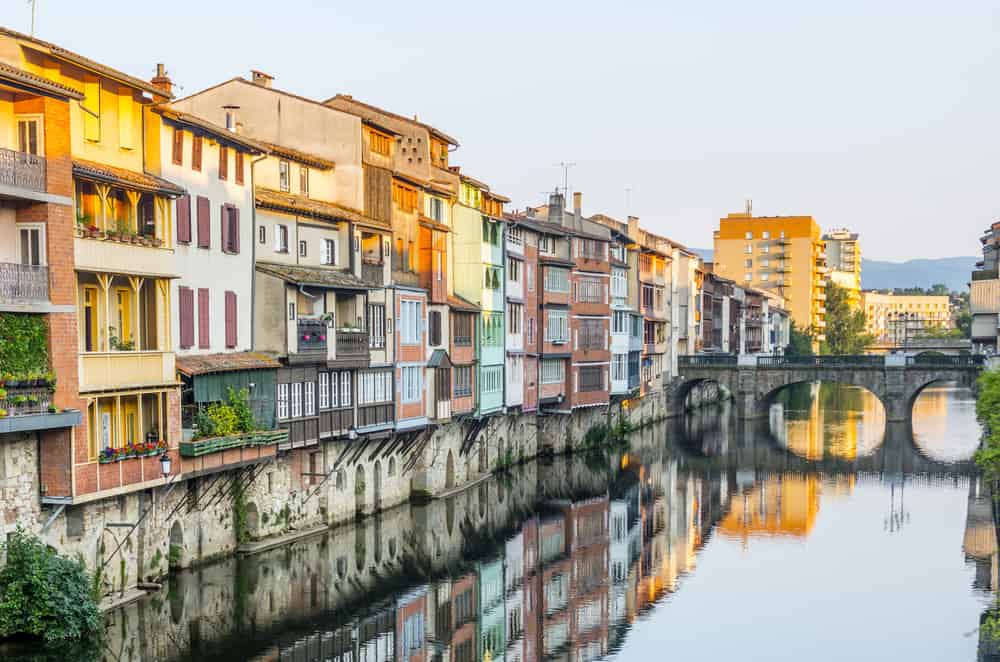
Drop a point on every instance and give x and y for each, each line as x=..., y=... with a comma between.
x=162, y=80
x=260, y=78
x=578, y=205
x=633, y=227
x=232, y=118
x=556, y=205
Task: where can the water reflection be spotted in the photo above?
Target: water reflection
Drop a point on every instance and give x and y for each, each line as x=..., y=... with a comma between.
x=822, y=523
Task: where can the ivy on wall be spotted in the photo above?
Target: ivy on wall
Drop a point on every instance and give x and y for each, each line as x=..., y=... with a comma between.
x=24, y=342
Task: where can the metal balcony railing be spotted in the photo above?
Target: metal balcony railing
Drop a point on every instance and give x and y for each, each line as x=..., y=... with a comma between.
x=352, y=343
x=312, y=335
x=23, y=282
x=22, y=170
x=373, y=274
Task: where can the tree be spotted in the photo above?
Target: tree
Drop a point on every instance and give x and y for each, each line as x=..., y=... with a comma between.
x=845, y=327
x=799, y=342
x=964, y=323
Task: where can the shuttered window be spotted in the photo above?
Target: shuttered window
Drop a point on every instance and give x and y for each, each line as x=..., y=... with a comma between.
x=204, y=327
x=434, y=318
x=239, y=168
x=230, y=220
x=223, y=162
x=232, y=335
x=204, y=223
x=178, y=151
x=185, y=301
x=196, y=153
x=184, y=219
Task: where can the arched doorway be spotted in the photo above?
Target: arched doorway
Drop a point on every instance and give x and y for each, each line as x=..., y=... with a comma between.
x=359, y=490
x=175, y=554
x=252, y=521
x=449, y=471
x=377, y=501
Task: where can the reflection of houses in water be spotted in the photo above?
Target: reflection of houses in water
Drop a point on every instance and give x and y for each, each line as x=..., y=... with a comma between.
x=838, y=421
x=778, y=505
x=980, y=541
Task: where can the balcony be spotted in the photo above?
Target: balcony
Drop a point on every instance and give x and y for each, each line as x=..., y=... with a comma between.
x=376, y=415
x=214, y=454
x=373, y=274
x=23, y=284
x=22, y=175
x=101, y=254
x=351, y=348
x=311, y=334
x=101, y=371
x=25, y=407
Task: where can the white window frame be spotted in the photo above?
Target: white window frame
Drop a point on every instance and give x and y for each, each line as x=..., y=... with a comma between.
x=619, y=322
x=282, y=402
x=411, y=384
x=324, y=390
x=280, y=238
x=296, y=400
x=555, y=375
x=557, y=280
x=345, y=388
x=284, y=176
x=39, y=121
x=557, y=328
x=32, y=227
x=328, y=253
x=410, y=317
x=309, y=398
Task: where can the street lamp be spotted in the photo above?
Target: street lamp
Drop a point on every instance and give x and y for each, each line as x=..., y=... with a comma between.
x=165, y=464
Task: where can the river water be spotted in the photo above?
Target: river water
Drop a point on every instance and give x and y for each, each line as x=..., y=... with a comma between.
x=820, y=534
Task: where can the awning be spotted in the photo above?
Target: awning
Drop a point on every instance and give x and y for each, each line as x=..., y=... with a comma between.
x=204, y=364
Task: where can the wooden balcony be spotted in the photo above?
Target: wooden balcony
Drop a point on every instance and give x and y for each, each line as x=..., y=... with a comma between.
x=205, y=456
x=377, y=414
x=352, y=347
x=23, y=284
x=106, y=255
x=201, y=447
x=101, y=371
x=373, y=274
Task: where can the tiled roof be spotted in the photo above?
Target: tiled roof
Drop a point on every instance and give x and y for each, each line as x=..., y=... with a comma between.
x=20, y=77
x=439, y=359
x=298, y=204
x=128, y=178
x=536, y=224
x=208, y=363
x=346, y=98
x=86, y=63
x=458, y=303
x=315, y=276
x=299, y=156
x=193, y=121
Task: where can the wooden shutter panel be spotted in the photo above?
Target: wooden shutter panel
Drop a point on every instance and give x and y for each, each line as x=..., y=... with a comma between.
x=204, y=223
x=224, y=222
x=184, y=219
x=239, y=167
x=204, y=328
x=232, y=337
x=185, y=301
x=234, y=231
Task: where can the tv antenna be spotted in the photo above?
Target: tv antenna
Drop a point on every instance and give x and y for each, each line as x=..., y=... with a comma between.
x=565, y=166
x=33, y=3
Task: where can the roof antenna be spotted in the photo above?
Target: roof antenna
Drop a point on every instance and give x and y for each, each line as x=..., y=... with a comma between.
x=748, y=203
x=565, y=166
x=33, y=3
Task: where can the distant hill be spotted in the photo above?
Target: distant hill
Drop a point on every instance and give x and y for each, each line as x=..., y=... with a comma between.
x=954, y=272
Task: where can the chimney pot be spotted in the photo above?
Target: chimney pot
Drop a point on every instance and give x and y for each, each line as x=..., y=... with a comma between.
x=260, y=78
x=577, y=204
x=161, y=80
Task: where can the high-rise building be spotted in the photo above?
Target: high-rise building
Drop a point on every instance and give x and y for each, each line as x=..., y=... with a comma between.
x=783, y=254
x=843, y=257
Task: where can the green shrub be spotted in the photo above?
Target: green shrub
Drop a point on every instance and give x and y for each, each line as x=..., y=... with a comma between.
x=45, y=595
x=224, y=418
x=596, y=436
x=988, y=413
x=24, y=341
x=239, y=401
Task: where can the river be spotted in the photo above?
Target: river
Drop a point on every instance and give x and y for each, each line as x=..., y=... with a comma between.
x=821, y=533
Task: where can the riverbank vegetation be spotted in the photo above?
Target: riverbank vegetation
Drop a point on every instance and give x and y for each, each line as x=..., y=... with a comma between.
x=845, y=326
x=44, y=595
x=988, y=413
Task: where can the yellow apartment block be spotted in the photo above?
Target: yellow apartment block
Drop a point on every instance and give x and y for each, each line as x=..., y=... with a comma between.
x=783, y=254
x=843, y=257
x=894, y=318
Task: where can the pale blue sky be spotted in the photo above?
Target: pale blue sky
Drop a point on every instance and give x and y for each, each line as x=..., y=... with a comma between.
x=880, y=116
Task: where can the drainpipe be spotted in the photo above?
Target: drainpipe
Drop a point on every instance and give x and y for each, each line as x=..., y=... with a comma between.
x=253, y=246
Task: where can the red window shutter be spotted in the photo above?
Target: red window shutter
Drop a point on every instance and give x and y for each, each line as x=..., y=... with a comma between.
x=234, y=231
x=204, y=223
x=178, y=155
x=185, y=300
x=224, y=222
x=232, y=337
x=184, y=219
x=204, y=328
x=223, y=162
x=239, y=167
x=196, y=153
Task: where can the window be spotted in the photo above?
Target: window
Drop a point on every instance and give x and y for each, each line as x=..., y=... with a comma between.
x=749, y=235
x=262, y=234
x=345, y=388
x=31, y=245
x=291, y=310
x=411, y=387
x=649, y=332
x=514, y=314
x=553, y=372
x=619, y=367
x=379, y=142
x=196, y=142
x=492, y=332
x=297, y=400
x=223, y=162
x=404, y=197
x=376, y=325
x=764, y=276
x=436, y=209
x=531, y=331
x=410, y=319
x=647, y=296
x=282, y=401
x=303, y=248
x=515, y=235
x=531, y=277
x=513, y=270
x=177, y=155
x=619, y=283
x=91, y=105
x=463, y=381
x=619, y=322
x=491, y=278
x=280, y=238
x=239, y=167
x=546, y=244
x=766, y=248
x=434, y=322
x=591, y=335
x=749, y=249
x=284, y=181
x=304, y=181
x=590, y=290
x=462, y=329
x=230, y=229
x=324, y=390
x=374, y=386
x=328, y=251
x=557, y=329
x=765, y=262
x=492, y=379
x=556, y=280
x=765, y=235
x=310, y=399
x=748, y=276
x=591, y=249
x=591, y=378
x=748, y=264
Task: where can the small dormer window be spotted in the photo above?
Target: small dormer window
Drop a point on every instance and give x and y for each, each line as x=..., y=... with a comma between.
x=283, y=176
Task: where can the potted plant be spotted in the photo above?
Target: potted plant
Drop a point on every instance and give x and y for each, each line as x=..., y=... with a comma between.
x=3, y=393
x=53, y=409
x=107, y=455
x=157, y=242
x=18, y=400
x=3, y=413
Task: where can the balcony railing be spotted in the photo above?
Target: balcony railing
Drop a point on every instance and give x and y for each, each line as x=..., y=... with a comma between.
x=100, y=370
x=312, y=335
x=22, y=170
x=377, y=414
x=373, y=274
x=351, y=344
x=23, y=282
x=216, y=444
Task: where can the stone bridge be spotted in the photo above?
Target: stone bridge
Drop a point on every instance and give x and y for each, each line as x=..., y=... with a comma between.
x=896, y=380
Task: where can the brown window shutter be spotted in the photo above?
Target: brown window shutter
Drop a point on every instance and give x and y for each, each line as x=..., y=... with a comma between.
x=234, y=231
x=204, y=223
x=196, y=153
x=224, y=222
x=185, y=300
x=223, y=162
x=178, y=155
x=239, y=167
x=204, y=328
x=232, y=337
x=184, y=219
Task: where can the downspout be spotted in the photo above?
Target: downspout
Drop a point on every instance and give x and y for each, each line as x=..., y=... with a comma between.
x=253, y=247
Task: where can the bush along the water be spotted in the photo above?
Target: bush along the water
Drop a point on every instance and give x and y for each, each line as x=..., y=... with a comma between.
x=45, y=595
x=988, y=413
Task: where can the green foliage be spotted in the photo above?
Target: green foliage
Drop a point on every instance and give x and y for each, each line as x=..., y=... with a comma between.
x=24, y=341
x=221, y=419
x=240, y=515
x=845, y=327
x=988, y=413
x=964, y=323
x=596, y=436
x=224, y=418
x=799, y=341
x=239, y=401
x=45, y=595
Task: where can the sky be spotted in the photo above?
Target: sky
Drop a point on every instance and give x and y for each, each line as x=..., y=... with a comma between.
x=877, y=116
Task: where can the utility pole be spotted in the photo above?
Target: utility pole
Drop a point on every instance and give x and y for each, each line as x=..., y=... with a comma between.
x=33, y=3
x=565, y=166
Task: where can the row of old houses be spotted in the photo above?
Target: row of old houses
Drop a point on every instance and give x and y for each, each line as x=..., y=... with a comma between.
x=323, y=257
